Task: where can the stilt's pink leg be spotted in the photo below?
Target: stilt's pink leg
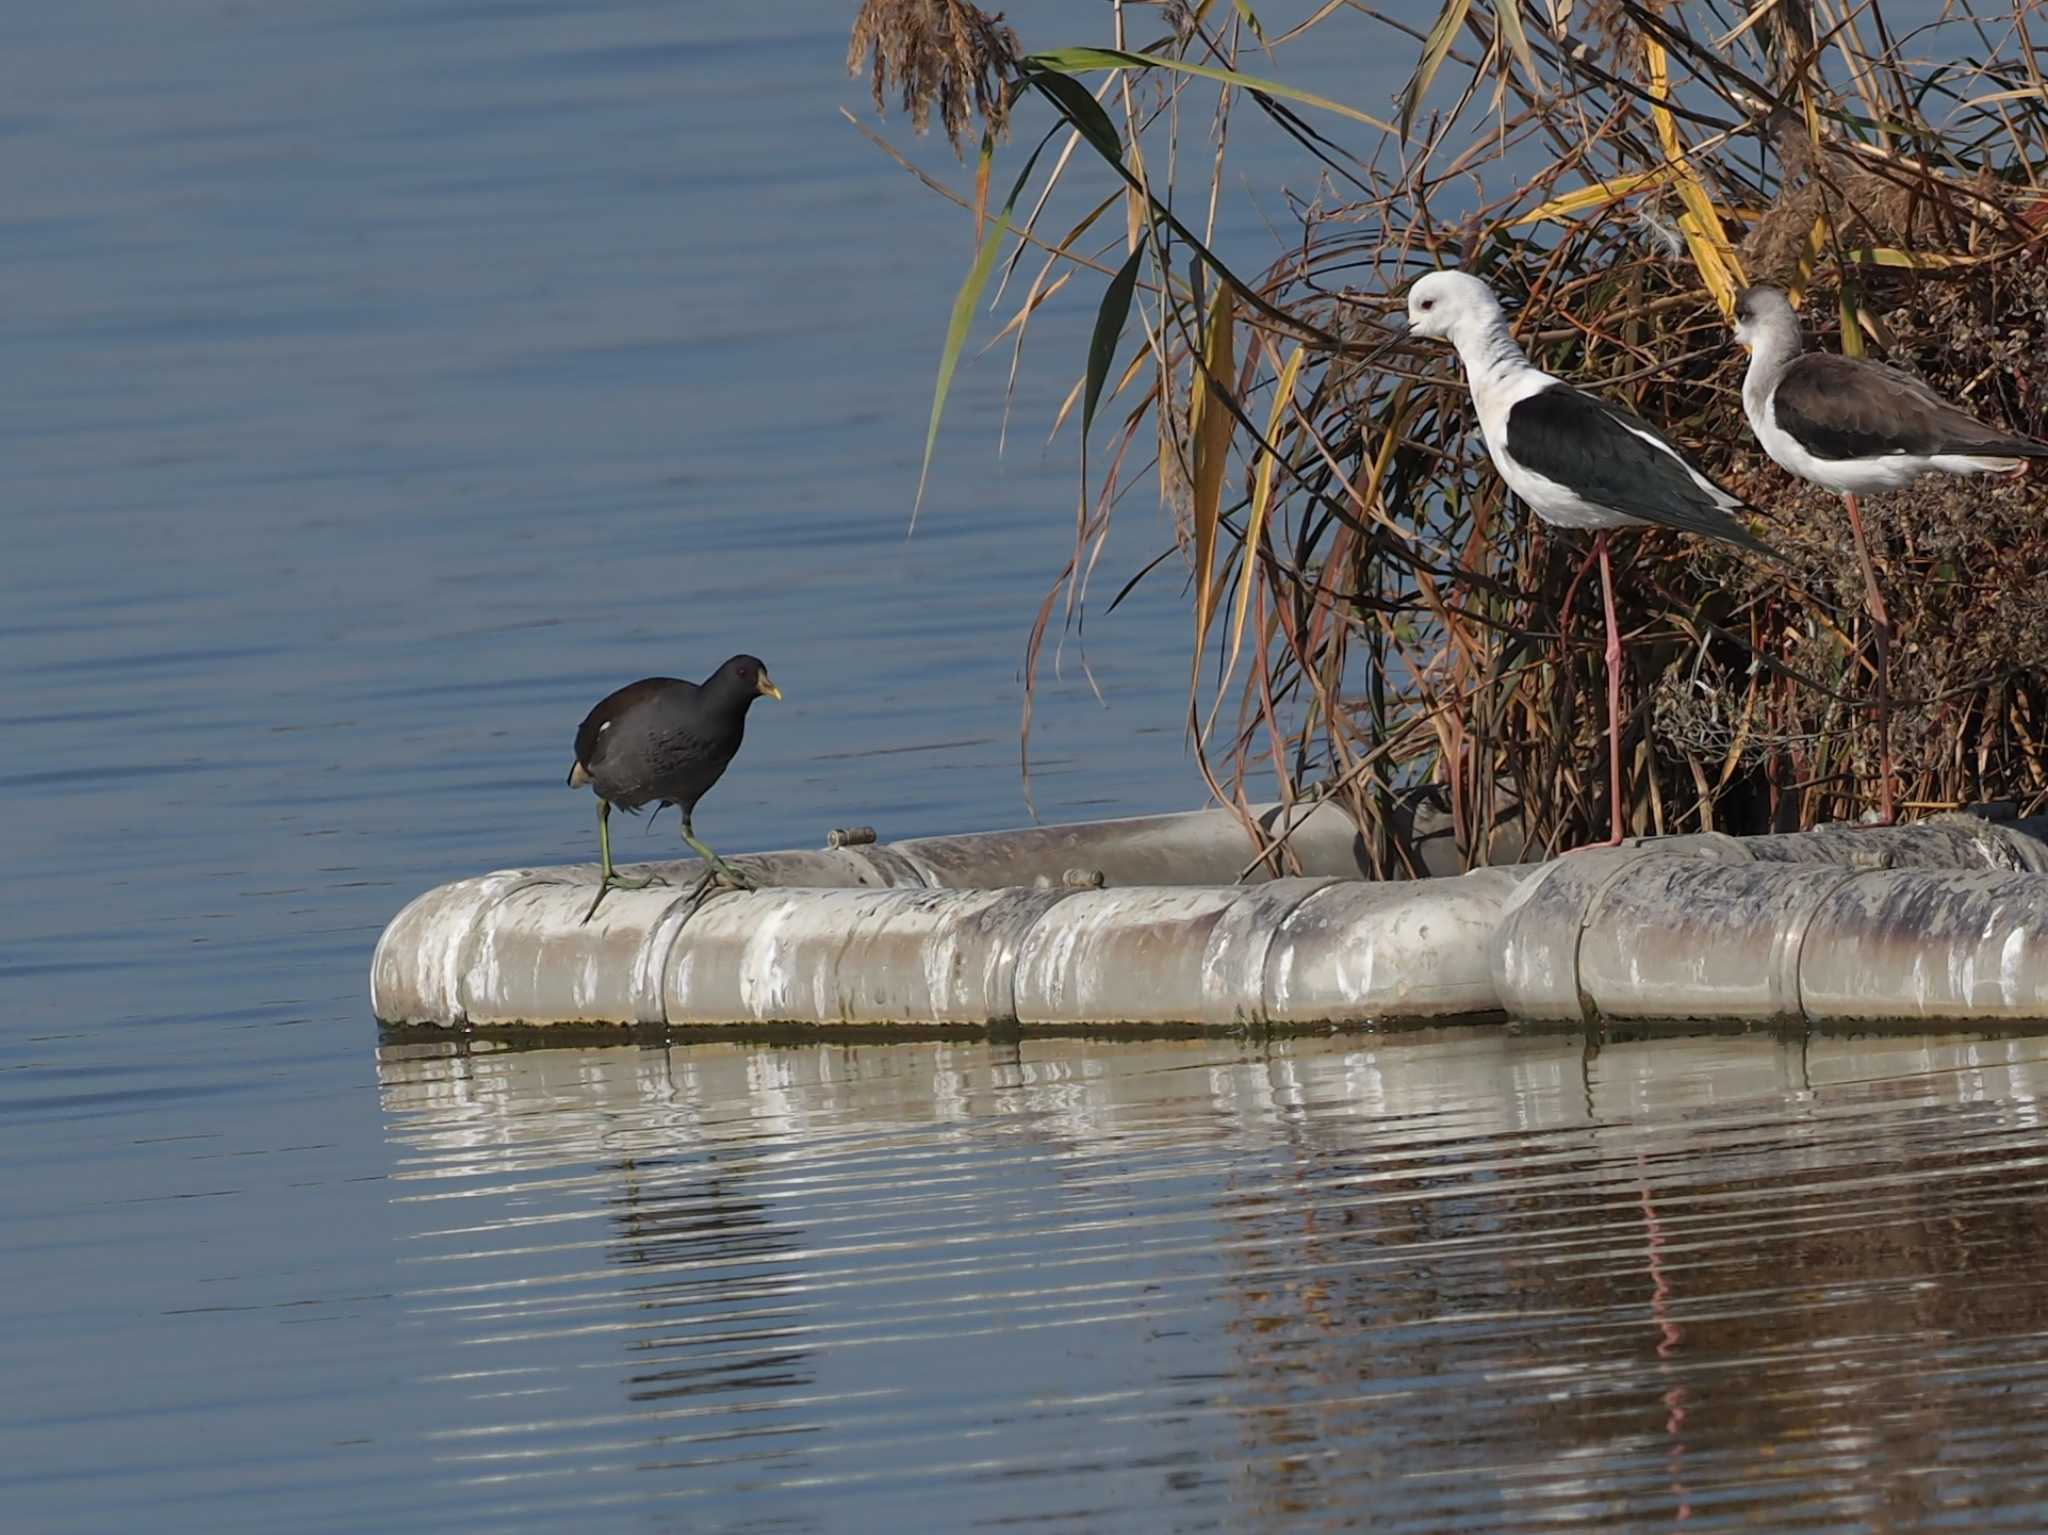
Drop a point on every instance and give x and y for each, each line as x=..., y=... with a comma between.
x=1881, y=626
x=1617, y=826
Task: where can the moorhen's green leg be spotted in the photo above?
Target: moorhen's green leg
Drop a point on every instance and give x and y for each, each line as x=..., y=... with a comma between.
x=725, y=872
x=608, y=881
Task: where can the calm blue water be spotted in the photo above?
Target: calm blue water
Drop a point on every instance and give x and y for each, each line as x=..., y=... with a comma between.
x=387, y=381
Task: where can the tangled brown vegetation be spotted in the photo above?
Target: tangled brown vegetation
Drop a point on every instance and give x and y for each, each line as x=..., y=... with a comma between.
x=1380, y=618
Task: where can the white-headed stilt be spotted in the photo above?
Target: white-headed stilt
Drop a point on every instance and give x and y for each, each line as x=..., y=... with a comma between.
x=1575, y=460
x=1858, y=427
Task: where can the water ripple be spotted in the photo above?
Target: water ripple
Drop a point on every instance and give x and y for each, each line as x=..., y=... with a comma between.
x=1461, y=1281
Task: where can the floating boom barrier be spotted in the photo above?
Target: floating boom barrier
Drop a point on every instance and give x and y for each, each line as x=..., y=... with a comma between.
x=1168, y=920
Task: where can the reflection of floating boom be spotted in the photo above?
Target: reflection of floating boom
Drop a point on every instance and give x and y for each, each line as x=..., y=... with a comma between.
x=1140, y=923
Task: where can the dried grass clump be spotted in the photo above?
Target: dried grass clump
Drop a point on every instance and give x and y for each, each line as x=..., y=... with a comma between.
x=942, y=53
x=1370, y=613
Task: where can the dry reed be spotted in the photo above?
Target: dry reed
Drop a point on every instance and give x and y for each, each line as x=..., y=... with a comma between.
x=1380, y=617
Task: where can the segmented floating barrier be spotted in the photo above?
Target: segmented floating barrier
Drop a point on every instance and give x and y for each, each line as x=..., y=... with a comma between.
x=1158, y=921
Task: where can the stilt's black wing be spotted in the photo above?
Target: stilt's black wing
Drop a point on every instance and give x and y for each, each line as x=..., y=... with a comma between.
x=1847, y=407
x=1612, y=459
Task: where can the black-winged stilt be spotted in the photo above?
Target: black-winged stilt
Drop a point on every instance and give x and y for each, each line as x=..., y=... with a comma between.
x=1858, y=427
x=1575, y=460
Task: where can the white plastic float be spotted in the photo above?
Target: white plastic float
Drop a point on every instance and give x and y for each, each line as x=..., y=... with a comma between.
x=1158, y=921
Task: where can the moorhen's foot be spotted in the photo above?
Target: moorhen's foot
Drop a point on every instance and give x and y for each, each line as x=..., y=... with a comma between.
x=613, y=882
x=722, y=876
